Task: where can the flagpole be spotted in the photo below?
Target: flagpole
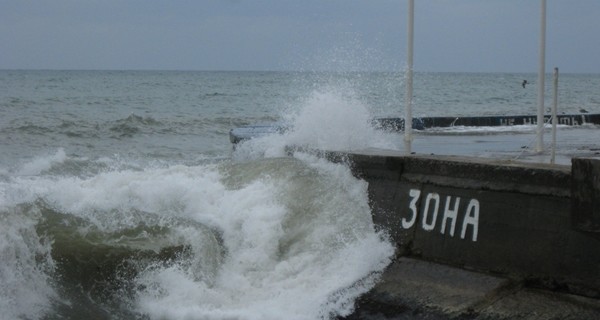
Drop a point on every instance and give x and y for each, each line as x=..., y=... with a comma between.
x=539, y=147
x=409, y=80
x=554, y=119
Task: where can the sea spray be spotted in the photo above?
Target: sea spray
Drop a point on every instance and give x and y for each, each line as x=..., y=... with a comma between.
x=330, y=118
x=254, y=239
x=26, y=267
x=288, y=230
x=41, y=164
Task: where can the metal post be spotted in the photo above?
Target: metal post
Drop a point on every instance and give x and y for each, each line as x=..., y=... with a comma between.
x=554, y=119
x=539, y=147
x=409, y=79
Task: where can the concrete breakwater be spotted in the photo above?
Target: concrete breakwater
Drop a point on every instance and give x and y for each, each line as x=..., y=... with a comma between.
x=477, y=233
x=492, y=121
x=244, y=133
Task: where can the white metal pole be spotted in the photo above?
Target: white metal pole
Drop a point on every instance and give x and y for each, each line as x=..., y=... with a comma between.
x=539, y=147
x=554, y=111
x=409, y=79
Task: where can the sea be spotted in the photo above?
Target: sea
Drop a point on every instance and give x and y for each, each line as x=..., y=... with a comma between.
x=122, y=197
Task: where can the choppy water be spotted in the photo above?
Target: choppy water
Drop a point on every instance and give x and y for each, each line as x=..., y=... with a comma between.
x=122, y=198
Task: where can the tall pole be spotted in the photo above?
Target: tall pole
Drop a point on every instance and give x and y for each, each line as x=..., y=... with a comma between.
x=539, y=147
x=409, y=79
x=554, y=111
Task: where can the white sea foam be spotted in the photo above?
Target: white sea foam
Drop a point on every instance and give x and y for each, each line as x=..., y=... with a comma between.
x=40, y=164
x=26, y=291
x=335, y=119
x=331, y=118
x=290, y=254
x=297, y=234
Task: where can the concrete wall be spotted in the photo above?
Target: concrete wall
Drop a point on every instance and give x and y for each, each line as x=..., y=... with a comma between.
x=498, y=217
x=565, y=119
x=586, y=195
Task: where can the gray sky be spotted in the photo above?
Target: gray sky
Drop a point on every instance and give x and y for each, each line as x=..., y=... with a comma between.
x=450, y=35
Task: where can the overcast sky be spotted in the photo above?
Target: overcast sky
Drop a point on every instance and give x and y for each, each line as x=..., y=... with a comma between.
x=450, y=35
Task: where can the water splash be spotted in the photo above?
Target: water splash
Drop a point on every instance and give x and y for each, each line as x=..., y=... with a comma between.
x=26, y=267
x=335, y=119
x=268, y=239
x=40, y=164
x=330, y=118
x=296, y=249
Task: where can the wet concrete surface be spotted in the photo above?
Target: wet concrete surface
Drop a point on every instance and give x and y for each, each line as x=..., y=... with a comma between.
x=510, y=143
x=416, y=289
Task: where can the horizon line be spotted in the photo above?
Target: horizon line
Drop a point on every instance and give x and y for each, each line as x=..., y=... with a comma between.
x=282, y=70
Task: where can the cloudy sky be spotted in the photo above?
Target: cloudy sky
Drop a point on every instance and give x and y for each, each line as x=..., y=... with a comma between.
x=450, y=35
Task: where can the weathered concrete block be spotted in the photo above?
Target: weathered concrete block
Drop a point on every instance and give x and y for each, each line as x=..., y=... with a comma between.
x=417, y=289
x=499, y=217
x=585, y=197
x=482, y=214
x=436, y=287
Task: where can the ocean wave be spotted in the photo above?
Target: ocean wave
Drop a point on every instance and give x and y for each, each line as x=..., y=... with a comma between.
x=30, y=128
x=18, y=102
x=26, y=265
x=60, y=164
x=133, y=124
x=258, y=239
x=41, y=164
x=92, y=131
x=213, y=95
x=135, y=119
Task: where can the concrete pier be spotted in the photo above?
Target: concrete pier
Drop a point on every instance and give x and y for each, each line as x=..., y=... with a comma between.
x=483, y=229
x=492, y=121
x=483, y=238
